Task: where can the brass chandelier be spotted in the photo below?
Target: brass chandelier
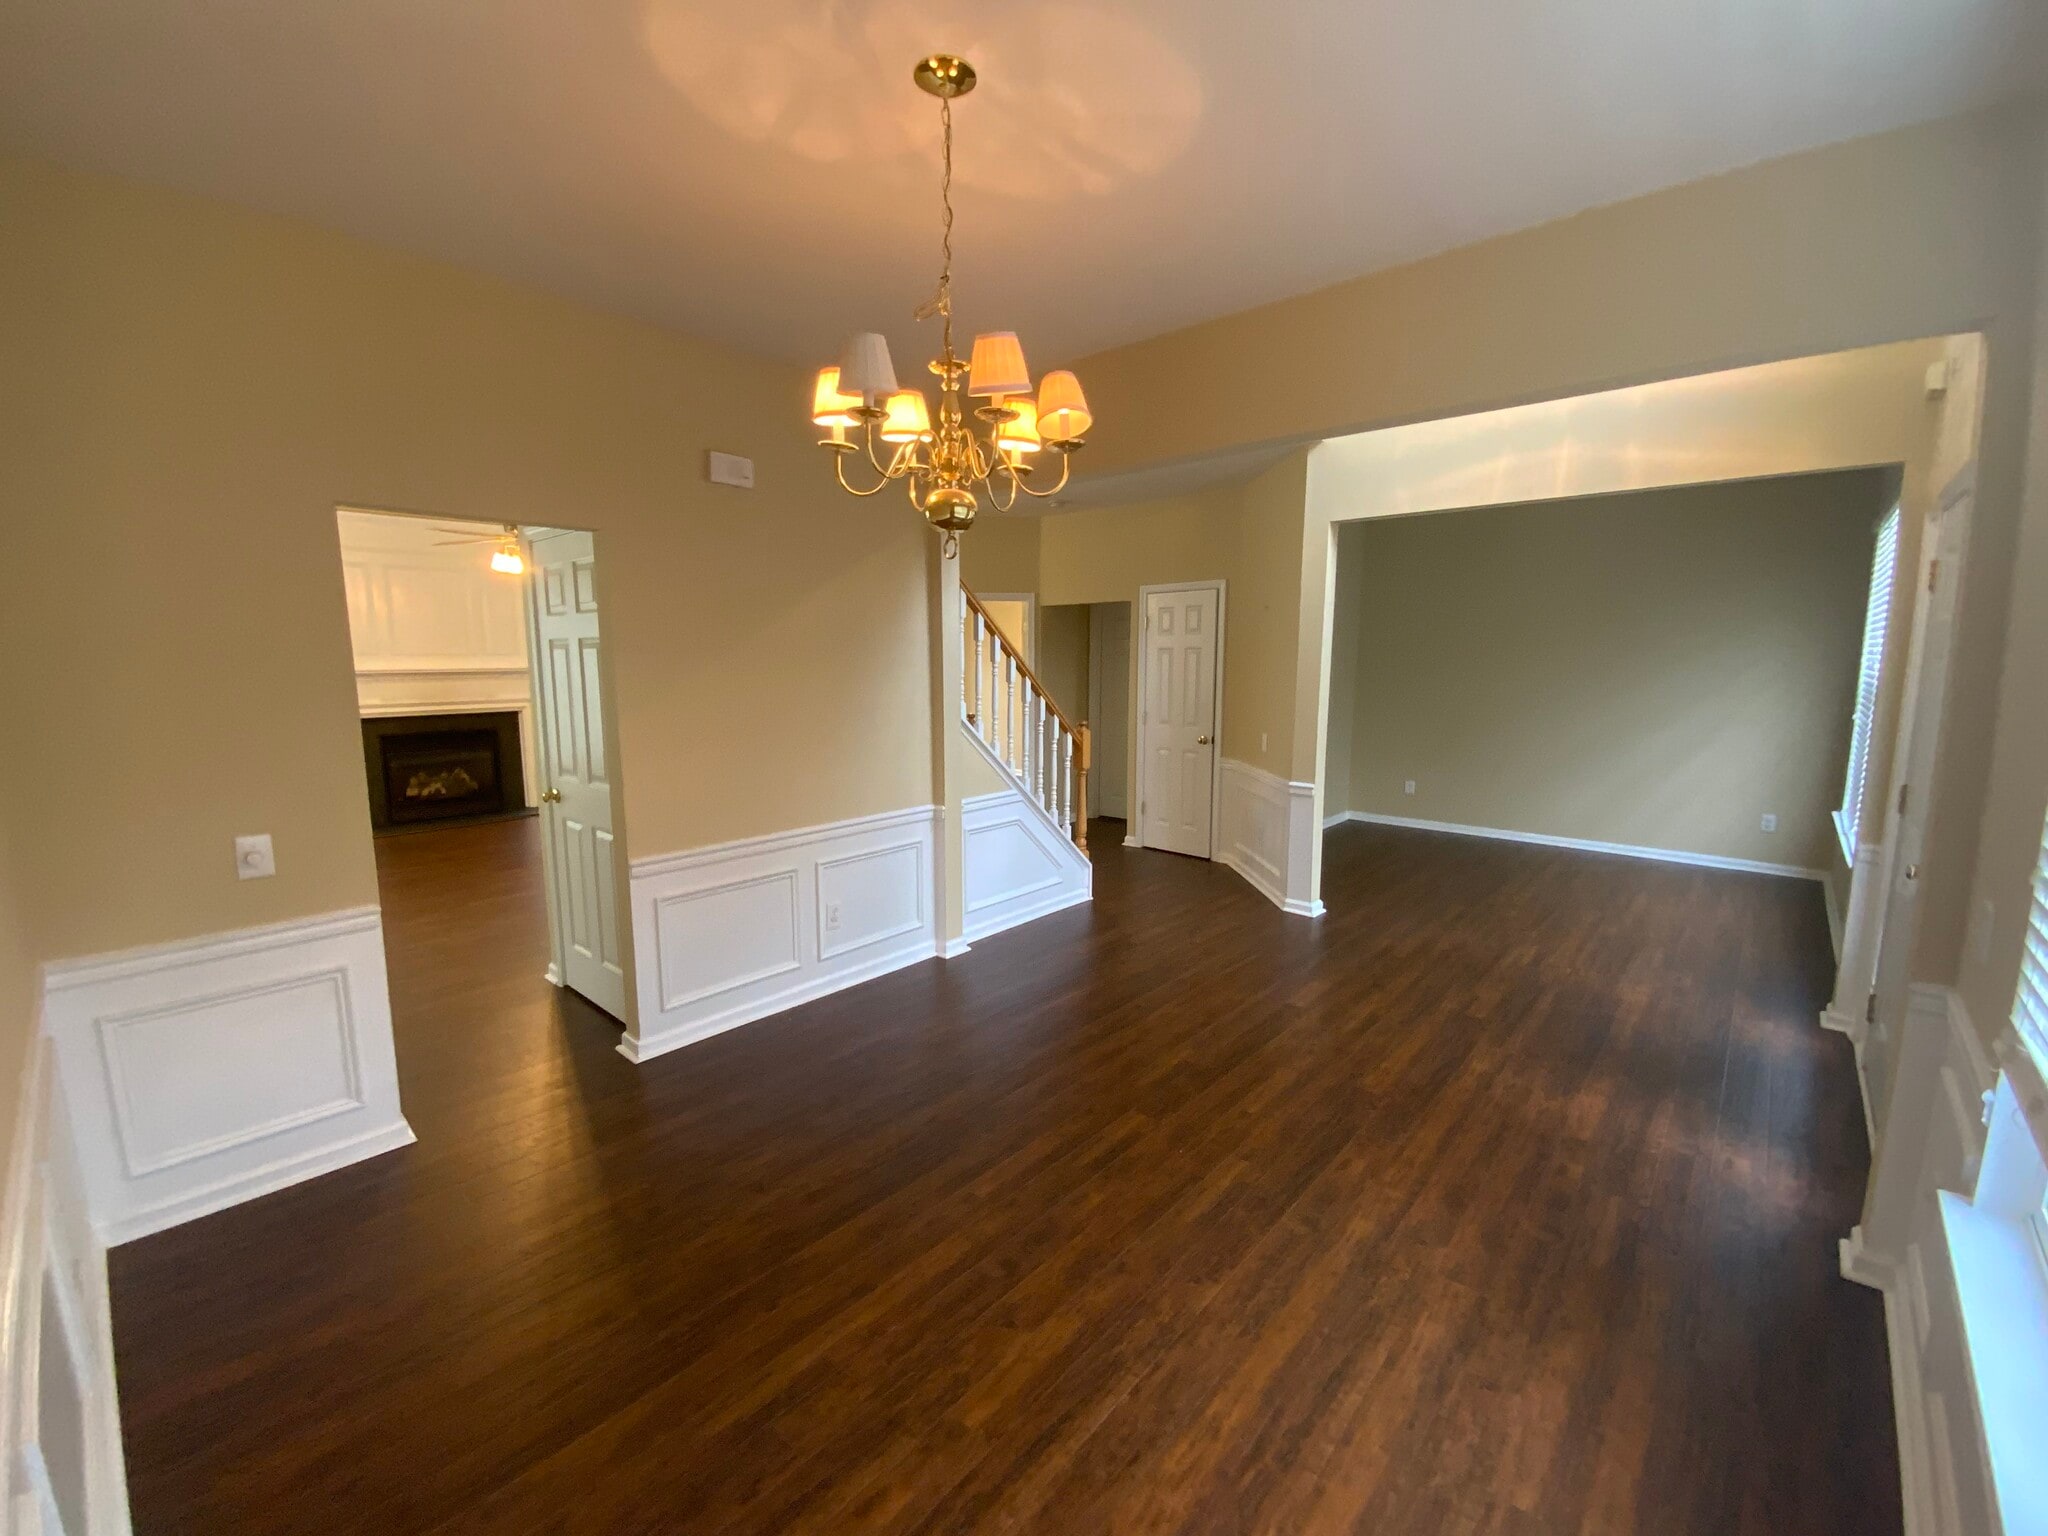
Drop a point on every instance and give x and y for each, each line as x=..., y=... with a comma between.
x=943, y=459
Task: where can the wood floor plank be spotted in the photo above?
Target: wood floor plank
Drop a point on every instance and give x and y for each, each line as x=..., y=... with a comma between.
x=1501, y=1199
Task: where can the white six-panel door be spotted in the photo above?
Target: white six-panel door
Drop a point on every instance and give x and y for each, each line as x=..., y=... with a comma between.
x=576, y=809
x=1178, y=776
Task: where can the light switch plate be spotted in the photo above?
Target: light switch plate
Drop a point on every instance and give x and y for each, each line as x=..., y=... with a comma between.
x=1770, y=821
x=254, y=857
x=730, y=469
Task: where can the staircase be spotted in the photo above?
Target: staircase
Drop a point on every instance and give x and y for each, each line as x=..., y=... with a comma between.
x=1026, y=845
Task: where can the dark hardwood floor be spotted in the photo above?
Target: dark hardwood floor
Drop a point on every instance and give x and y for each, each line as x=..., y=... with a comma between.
x=1502, y=1199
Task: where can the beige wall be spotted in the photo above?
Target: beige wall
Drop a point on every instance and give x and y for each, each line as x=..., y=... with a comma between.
x=2017, y=790
x=1247, y=536
x=1657, y=669
x=191, y=390
x=1000, y=553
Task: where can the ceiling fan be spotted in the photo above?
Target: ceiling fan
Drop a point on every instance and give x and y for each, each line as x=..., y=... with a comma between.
x=506, y=558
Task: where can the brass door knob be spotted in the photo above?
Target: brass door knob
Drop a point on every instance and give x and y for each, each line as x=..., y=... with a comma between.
x=551, y=797
x=1912, y=871
x=1201, y=741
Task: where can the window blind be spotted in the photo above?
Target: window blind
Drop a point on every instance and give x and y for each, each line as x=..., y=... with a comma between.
x=1876, y=621
x=2030, y=1004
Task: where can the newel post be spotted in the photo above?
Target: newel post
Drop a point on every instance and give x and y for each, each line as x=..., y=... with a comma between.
x=1084, y=755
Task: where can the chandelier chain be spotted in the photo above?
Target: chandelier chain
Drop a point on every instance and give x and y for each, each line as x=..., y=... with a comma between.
x=941, y=303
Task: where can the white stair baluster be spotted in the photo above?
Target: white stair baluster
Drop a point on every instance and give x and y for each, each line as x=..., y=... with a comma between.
x=980, y=675
x=1009, y=752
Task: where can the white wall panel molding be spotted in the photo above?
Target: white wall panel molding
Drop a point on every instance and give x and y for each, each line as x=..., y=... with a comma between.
x=1941, y=1114
x=1588, y=845
x=1019, y=866
x=60, y=1421
x=201, y=1074
x=734, y=932
x=1268, y=828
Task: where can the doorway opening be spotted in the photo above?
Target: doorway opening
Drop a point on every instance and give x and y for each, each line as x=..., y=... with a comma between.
x=1082, y=658
x=489, y=758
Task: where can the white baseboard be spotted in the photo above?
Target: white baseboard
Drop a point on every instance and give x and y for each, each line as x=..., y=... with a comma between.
x=1267, y=831
x=203, y=1073
x=1588, y=845
x=1019, y=867
x=64, y=1470
x=953, y=949
x=733, y=933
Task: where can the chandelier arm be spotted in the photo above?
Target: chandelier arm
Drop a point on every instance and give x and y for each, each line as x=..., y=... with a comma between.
x=839, y=469
x=1066, y=464
x=884, y=470
x=1002, y=485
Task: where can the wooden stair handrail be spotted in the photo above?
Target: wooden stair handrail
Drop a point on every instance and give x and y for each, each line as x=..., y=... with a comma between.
x=1009, y=650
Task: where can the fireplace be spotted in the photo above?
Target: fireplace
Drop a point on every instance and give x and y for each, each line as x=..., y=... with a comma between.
x=431, y=769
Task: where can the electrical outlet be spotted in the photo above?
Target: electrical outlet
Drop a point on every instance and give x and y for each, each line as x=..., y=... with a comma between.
x=1408, y=788
x=254, y=857
x=1770, y=821
x=831, y=916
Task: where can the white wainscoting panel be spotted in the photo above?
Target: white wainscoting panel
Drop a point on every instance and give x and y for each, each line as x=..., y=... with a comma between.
x=1268, y=826
x=200, y=1074
x=60, y=1421
x=729, y=934
x=1018, y=865
x=1941, y=1466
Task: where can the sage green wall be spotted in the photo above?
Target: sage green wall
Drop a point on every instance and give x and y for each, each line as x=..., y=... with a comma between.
x=1658, y=669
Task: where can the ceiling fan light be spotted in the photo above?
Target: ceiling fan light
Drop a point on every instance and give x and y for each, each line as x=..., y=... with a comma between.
x=829, y=407
x=997, y=366
x=909, y=419
x=1063, y=414
x=1020, y=433
x=865, y=369
x=507, y=561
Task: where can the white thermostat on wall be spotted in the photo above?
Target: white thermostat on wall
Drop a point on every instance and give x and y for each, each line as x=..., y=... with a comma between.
x=730, y=469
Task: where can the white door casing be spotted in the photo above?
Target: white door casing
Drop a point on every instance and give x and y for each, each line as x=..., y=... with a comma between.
x=1177, y=720
x=577, y=753
x=1910, y=797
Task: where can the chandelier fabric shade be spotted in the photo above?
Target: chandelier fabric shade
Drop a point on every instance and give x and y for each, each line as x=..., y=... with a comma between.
x=865, y=368
x=1063, y=415
x=829, y=407
x=947, y=462
x=909, y=419
x=1020, y=433
x=997, y=366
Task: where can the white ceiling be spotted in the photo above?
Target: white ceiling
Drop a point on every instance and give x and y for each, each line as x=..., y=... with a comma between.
x=763, y=171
